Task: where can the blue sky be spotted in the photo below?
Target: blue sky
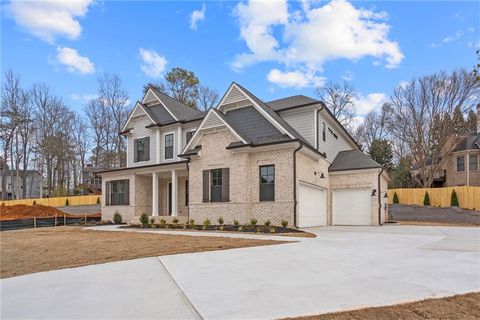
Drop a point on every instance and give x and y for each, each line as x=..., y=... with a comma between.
x=275, y=49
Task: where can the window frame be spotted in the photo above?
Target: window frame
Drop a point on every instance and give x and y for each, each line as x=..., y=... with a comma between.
x=261, y=195
x=472, y=156
x=192, y=132
x=125, y=193
x=457, y=163
x=165, y=135
x=145, y=154
x=324, y=132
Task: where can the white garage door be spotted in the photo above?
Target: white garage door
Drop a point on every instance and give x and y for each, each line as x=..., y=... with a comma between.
x=312, y=206
x=352, y=207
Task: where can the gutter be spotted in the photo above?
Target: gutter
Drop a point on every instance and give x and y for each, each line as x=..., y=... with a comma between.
x=380, y=199
x=295, y=185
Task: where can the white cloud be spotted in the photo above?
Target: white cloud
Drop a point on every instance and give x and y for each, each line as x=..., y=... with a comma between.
x=153, y=64
x=295, y=79
x=50, y=19
x=73, y=61
x=196, y=16
x=372, y=101
x=83, y=97
x=307, y=38
x=454, y=37
x=348, y=75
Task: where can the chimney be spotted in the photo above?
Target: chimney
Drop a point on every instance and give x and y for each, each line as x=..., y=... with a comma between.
x=478, y=118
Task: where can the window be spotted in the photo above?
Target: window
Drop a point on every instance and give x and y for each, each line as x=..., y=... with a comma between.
x=142, y=149
x=118, y=193
x=333, y=133
x=324, y=133
x=473, y=162
x=186, y=193
x=216, y=188
x=460, y=164
x=189, y=136
x=267, y=183
x=169, y=146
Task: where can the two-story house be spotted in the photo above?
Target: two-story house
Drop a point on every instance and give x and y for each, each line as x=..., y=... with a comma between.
x=288, y=159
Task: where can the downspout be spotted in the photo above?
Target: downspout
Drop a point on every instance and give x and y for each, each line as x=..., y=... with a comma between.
x=188, y=176
x=380, y=199
x=295, y=185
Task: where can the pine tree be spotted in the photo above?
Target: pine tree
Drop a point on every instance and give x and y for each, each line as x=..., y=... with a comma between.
x=458, y=122
x=454, y=199
x=426, y=199
x=395, y=198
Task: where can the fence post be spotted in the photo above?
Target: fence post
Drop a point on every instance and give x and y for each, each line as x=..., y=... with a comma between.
x=55, y=219
x=34, y=222
x=85, y=217
x=64, y=220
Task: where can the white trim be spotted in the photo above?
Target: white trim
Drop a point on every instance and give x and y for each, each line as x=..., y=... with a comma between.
x=315, y=127
x=138, y=104
x=200, y=127
x=161, y=102
x=158, y=136
x=173, y=156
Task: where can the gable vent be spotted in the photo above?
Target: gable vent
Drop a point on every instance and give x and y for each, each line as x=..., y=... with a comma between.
x=234, y=95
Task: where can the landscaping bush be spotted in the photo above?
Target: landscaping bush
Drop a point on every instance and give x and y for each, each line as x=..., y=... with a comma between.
x=192, y=223
x=454, y=199
x=267, y=224
x=175, y=221
x=152, y=220
x=98, y=200
x=67, y=203
x=253, y=222
x=206, y=224
x=144, y=219
x=236, y=223
x=395, y=198
x=221, y=221
x=284, y=223
x=426, y=199
x=34, y=202
x=272, y=230
x=117, y=218
x=163, y=223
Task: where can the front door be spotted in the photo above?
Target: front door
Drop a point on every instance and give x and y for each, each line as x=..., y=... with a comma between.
x=169, y=198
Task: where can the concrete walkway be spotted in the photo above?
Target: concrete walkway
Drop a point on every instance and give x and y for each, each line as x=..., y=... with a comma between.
x=343, y=268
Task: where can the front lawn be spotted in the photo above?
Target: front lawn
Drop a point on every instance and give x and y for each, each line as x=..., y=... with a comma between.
x=35, y=250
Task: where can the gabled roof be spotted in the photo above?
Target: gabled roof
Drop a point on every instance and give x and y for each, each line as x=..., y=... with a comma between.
x=292, y=102
x=180, y=111
x=470, y=142
x=352, y=160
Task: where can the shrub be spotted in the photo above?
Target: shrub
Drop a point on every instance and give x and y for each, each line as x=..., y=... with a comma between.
x=206, y=224
x=395, y=198
x=284, y=223
x=34, y=202
x=267, y=224
x=454, y=199
x=117, y=218
x=67, y=203
x=240, y=228
x=162, y=223
x=426, y=199
x=192, y=223
x=253, y=222
x=221, y=221
x=152, y=220
x=175, y=221
x=144, y=219
x=236, y=223
x=98, y=200
x=272, y=230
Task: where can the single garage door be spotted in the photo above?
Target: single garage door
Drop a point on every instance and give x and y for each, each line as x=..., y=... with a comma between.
x=312, y=206
x=352, y=207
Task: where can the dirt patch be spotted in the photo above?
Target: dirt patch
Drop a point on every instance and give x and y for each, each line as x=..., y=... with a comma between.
x=465, y=307
x=35, y=250
x=21, y=211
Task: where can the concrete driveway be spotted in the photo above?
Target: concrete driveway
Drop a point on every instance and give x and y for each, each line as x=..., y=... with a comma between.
x=343, y=268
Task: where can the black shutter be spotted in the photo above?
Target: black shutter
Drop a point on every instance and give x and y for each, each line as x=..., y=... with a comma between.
x=147, y=148
x=107, y=193
x=135, y=150
x=206, y=185
x=225, y=184
x=127, y=192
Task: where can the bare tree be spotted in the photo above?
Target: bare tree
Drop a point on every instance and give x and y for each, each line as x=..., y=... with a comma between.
x=207, y=97
x=421, y=116
x=374, y=127
x=340, y=99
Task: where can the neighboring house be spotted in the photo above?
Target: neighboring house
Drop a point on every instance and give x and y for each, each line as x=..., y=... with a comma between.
x=91, y=182
x=462, y=166
x=34, y=182
x=288, y=159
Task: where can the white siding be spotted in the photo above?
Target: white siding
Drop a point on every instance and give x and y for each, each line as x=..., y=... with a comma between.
x=303, y=121
x=139, y=131
x=213, y=120
x=331, y=146
x=234, y=95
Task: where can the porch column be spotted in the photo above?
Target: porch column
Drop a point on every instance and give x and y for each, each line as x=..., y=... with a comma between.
x=174, y=193
x=155, y=194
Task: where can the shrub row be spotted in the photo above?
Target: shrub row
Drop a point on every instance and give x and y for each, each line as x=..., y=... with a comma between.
x=426, y=199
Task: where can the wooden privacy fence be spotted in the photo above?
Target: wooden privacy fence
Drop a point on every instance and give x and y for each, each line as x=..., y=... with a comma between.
x=57, y=201
x=468, y=197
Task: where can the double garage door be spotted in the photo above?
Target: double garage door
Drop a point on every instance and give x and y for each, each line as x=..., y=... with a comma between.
x=350, y=207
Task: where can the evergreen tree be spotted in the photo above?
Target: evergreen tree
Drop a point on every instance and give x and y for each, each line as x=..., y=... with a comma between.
x=381, y=152
x=454, y=199
x=471, y=123
x=458, y=122
x=395, y=198
x=426, y=199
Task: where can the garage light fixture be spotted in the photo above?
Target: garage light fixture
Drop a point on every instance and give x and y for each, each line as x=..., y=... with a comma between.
x=374, y=192
x=321, y=174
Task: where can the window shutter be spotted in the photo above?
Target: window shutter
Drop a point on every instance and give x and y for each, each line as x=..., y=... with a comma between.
x=206, y=185
x=225, y=184
x=147, y=148
x=127, y=192
x=135, y=150
x=107, y=193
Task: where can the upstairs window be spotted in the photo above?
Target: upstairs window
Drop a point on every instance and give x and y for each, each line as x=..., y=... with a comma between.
x=267, y=183
x=324, y=132
x=169, y=146
x=473, y=162
x=141, y=149
x=460, y=164
x=189, y=136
